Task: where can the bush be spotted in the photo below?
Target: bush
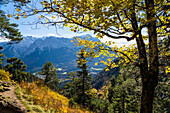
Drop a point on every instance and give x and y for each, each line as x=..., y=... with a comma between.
x=72, y=103
x=98, y=105
x=4, y=75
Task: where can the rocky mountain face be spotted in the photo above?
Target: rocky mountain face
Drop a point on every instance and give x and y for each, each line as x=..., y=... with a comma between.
x=35, y=52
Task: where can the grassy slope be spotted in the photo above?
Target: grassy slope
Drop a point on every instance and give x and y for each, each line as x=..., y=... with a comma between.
x=38, y=98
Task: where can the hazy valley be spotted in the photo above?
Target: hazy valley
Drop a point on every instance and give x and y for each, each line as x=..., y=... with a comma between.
x=35, y=52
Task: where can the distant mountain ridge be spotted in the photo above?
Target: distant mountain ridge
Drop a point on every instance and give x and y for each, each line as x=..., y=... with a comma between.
x=37, y=51
x=30, y=43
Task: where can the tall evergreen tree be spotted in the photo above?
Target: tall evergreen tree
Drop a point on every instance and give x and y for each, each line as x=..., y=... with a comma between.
x=16, y=67
x=9, y=31
x=51, y=79
x=81, y=84
x=69, y=89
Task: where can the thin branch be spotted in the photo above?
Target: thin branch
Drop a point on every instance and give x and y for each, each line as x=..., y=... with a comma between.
x=127, y=30
x=90, y=27
x=126, y=15
x=119, y=52
x=163, y=25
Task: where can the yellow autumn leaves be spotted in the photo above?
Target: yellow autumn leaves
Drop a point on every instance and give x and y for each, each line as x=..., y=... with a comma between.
x=17, y=9
x=48, y=99
x=167, y=69
x=4, y=75
x=108, y=50
x=18, y=14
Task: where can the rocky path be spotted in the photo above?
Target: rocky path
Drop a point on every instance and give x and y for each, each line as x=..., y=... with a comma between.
x=9, y=103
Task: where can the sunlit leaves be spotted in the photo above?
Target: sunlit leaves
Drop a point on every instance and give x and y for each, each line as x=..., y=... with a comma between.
x=48, y=99
x=109, y=50
x=5, y=76
x=46, y=20
x=110, y=18
x=17, y=18
x=167, y=69
x=17, y=9
x=10, y=15
x=96, y=63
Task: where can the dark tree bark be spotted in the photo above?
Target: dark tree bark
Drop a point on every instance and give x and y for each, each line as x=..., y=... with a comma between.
x=150, y=78
x=149, y=75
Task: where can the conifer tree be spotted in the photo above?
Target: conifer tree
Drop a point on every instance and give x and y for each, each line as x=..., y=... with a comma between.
x=16, y=67
x=124, y=92
x=51, y=79
x=9, y=30
x=82, y=82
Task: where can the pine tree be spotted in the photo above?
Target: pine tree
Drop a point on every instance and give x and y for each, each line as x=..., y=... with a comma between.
x=9, y=30
x=81, y=84
x=51, y=79
x=16, y=67
x=1, y=59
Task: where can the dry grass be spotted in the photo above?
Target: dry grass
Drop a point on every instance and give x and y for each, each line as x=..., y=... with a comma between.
x=49, y=100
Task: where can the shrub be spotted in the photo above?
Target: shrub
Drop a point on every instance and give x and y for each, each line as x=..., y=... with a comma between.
x=72, y=103
x=4, y=75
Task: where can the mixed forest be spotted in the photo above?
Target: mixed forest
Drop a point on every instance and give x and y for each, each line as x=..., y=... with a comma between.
x=135, y=78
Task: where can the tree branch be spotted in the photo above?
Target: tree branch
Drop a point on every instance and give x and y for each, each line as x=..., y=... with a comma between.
x=119, y=52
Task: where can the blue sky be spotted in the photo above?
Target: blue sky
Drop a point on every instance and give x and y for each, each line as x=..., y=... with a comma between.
x=41, y=31
x=29, y=30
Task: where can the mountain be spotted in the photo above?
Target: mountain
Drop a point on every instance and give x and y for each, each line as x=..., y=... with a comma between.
x=103, y=77
x=35, y=52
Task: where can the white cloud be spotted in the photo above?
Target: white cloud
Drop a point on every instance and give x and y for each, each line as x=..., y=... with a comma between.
x=33, y=35
x=2, y=39
x=118, y=42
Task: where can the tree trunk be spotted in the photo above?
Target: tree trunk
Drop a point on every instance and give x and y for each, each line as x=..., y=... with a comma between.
x=147, y=97
x=149, y=75
x=150, y=81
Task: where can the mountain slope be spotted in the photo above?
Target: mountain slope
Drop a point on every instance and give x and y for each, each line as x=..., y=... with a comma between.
x=103, y=77
x=35, y=52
